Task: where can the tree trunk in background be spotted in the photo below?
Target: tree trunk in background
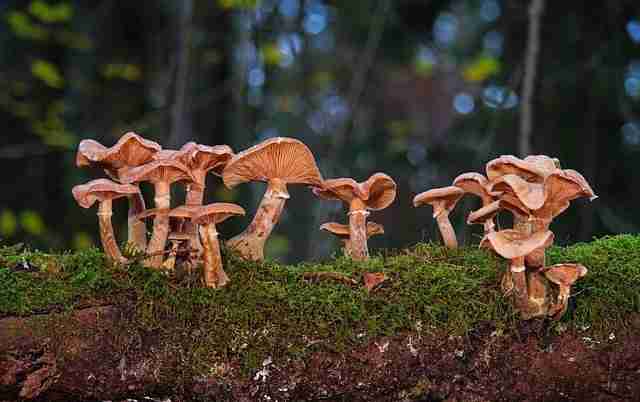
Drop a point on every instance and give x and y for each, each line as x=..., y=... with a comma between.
x=180, y=121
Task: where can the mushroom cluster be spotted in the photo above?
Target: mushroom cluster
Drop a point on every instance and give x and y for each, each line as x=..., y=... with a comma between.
x=189, y=231
x=534, y=190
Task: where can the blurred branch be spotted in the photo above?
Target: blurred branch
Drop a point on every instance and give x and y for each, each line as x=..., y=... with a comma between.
x=361, y=72
x=531, y=60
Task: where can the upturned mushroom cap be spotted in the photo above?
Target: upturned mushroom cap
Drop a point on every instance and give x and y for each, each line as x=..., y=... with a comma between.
x=130, y=150
x=342, y=230
x=509, y=164
x=512, y=244
x=161, y=170
x=101, y=189
x=216, y=213
x=281, y=158
x=544, y=163
x=446, y=197
x=152, y=212
x=484, y=214
x=207, y=158
x=377, y=192
x=564, y=274
x=532, y=195
x=473, y=183
x=512, y=204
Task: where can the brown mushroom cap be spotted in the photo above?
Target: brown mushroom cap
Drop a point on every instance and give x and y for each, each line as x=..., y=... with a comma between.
x=152, y=212
x=512, y=244
x=484, y=214
x=377, y=192
x=216, y=213
x=101, y=189
x=512, y=204
x=162, y=170
x=509, y=164
x=281, y=158
x=449, y=196
x=564, y=274
x=473, y=183
x=342, y=231
x=532, y=195
x=544, y=163
x=130, y=150
x=207, y=158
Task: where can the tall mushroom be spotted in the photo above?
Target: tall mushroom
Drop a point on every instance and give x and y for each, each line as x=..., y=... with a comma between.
x=374, y=194
x=201, y=159
x=514, y=246
x=342, y=232
x=277, y=161
x=104, y=191
x=443, y=200
x=131, y=150
x=563, y=275
x=161, y=173
x=207, y=217
x=477, y=184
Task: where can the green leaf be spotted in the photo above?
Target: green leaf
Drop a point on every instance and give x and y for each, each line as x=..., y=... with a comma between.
x=22, y=27
x=47, y=73
x=53, y=13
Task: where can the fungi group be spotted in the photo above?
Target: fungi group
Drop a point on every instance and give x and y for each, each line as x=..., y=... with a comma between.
x=534, y=190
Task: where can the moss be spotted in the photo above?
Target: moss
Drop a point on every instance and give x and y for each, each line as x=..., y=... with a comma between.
x=269, y=310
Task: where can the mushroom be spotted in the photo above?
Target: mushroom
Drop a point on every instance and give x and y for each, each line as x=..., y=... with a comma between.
x=509, y=164
x=277, y=161
x=443, y=200
x=374, y=194
x=342, y=232
x=514, y=246
x=484, y=215
x=104, y=191
x=207, y=217
x=201, y=159
x=477, y=184
x=532, y=195
x=563, y=275
x=161, y=173
x=131, y=150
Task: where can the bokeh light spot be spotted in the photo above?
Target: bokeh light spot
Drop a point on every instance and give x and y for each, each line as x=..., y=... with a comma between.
x=463, y=103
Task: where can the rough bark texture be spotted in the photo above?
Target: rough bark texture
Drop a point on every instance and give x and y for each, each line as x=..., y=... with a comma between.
x=137, y=229
x=358, y=235
x=214, y=275
x=160, y=224
x=250, y=243
x=446, y=230
x=107, y=237
x=104, y=359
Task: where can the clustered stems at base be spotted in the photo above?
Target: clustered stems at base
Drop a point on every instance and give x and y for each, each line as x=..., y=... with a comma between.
x=137, y=230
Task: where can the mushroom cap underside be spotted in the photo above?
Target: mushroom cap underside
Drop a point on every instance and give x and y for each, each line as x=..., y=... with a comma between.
x=101, y=189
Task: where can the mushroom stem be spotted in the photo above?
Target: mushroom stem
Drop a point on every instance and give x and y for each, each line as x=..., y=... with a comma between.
x=358, y=234
x=518, y=276
x=160, y=224
x=536, y=259
x=195, y=196
x=558, y=309
x=346, y=247
x=137, y=234
x=213, y=274
x=250, y=243
x=107, y=237
x=537, y=292
x=446, y=230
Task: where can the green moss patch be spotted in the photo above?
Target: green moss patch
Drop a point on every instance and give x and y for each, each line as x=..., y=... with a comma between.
x=270, y=310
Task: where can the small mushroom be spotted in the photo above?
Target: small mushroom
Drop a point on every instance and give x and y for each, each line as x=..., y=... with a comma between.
x=201, y=159
x=207, y=217
x=278, y=161
x=484, y=215
x=563, y=275
x=342, y=232
x=532, y=195
x=443, y=200
x=374, y=194
x=131, y=150
x=514, y=246
x=104, y=191
x=477, y=184
x=161, y=173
